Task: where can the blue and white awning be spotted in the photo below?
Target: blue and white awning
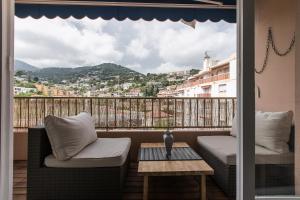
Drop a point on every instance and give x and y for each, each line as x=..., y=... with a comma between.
x=175, y=10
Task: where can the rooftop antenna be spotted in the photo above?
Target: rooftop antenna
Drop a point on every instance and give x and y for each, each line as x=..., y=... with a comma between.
x=206, y=56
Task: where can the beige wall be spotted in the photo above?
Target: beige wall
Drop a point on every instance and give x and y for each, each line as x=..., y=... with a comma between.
x=277, y=83
x=280, y=90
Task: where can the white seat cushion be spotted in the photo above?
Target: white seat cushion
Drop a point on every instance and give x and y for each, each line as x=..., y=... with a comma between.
x=104, y=152
x=224, y=148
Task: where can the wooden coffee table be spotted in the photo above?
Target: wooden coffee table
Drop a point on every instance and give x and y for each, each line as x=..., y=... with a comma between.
x=174, y=168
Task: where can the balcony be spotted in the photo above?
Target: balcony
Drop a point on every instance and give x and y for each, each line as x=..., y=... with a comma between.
x=130, y=113
x=141, y=119
x=209, y=79
x=205, y=95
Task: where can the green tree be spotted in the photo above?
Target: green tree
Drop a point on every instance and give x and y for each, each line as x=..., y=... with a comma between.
x=36, y=79
x=20, y=73
x=194, y=71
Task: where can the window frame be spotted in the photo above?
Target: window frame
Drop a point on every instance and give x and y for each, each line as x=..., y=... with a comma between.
x=246, y=100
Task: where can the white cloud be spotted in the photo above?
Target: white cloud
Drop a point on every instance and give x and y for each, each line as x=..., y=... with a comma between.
x=186, y=46
x=167, y=67
x=64, y=43
x=134, y=66
x=137, y=49
x=143, y=46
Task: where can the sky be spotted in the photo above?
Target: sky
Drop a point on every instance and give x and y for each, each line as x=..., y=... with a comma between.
x=147, y=47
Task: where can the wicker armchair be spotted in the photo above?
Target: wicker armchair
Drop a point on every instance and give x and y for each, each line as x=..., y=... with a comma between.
x=68, y=183
x=270, y=179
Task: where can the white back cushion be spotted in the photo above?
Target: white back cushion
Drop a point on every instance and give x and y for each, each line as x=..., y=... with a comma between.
x=272, y=130
x=68, y=136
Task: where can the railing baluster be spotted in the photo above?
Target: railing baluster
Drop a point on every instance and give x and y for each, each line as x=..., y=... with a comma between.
x=68, y=107
x=168, y=112
x=211, y=113
x=20, y=112
x=182, y=108
x=197, y=112
x=123, y=112
x=76, y=102
x=145, y=112
x=226, y=113
x=233, y=108
x=99, y=120
x=175, y=113
x=159, y=113
x=60, y=108
x=28, y=115
x=83, y=104
x=52, y=109
x=190, y=113
x=106, y=113
x=115, y=113
x=219, y=114
x=36, y=114
x=204, y=113
x=44, y=110
x=152, y=111
x=91, y=106
x=137, y=112
x=130, y=112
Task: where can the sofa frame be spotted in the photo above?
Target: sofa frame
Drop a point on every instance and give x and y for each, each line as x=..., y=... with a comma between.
x=68, y=183
x=270, y=179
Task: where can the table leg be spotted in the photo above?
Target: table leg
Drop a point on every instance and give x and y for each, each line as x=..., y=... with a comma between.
x=145, y=192
x=203, y=187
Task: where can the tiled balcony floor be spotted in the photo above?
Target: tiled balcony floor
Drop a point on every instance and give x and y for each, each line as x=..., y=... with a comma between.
x=161, y=188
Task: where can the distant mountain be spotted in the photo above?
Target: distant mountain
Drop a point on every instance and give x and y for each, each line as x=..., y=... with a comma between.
x=103, y=72
x=23, y=66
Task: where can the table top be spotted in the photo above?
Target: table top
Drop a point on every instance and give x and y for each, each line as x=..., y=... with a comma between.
x=173, y=168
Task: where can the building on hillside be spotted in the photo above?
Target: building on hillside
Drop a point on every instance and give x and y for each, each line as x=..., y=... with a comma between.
x=134, y=92
x=217, y=79
x=179, y=73
x=54, y=91
x=23, y=90
x=169, y=91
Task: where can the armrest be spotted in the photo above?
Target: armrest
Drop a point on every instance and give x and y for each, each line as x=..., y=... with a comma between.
x=38, y=147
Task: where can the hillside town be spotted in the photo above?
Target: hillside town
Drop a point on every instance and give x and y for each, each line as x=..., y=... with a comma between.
x=214, y=79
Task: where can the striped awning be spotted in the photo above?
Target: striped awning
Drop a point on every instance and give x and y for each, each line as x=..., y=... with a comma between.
x=174, y=10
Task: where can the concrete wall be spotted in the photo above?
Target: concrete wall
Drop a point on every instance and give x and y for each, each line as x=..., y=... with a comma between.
x=20, y=145
x=277, y=83
x=137, y=137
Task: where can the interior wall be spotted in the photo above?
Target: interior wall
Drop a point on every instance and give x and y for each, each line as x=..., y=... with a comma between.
x=280, y=83
x=277, y=83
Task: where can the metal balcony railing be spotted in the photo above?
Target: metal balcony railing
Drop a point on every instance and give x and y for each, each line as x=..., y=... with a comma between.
x=129, y=112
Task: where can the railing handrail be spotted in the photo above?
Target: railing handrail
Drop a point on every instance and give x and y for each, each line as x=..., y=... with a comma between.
x=71, y=97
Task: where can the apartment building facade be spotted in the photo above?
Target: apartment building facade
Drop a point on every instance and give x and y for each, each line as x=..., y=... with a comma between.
x=217, y=79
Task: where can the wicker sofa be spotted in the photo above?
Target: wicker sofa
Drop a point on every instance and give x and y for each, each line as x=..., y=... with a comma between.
x=69, y=183
x=274, y=172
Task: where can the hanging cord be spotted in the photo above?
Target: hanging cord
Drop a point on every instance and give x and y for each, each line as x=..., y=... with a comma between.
x=270, y=42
